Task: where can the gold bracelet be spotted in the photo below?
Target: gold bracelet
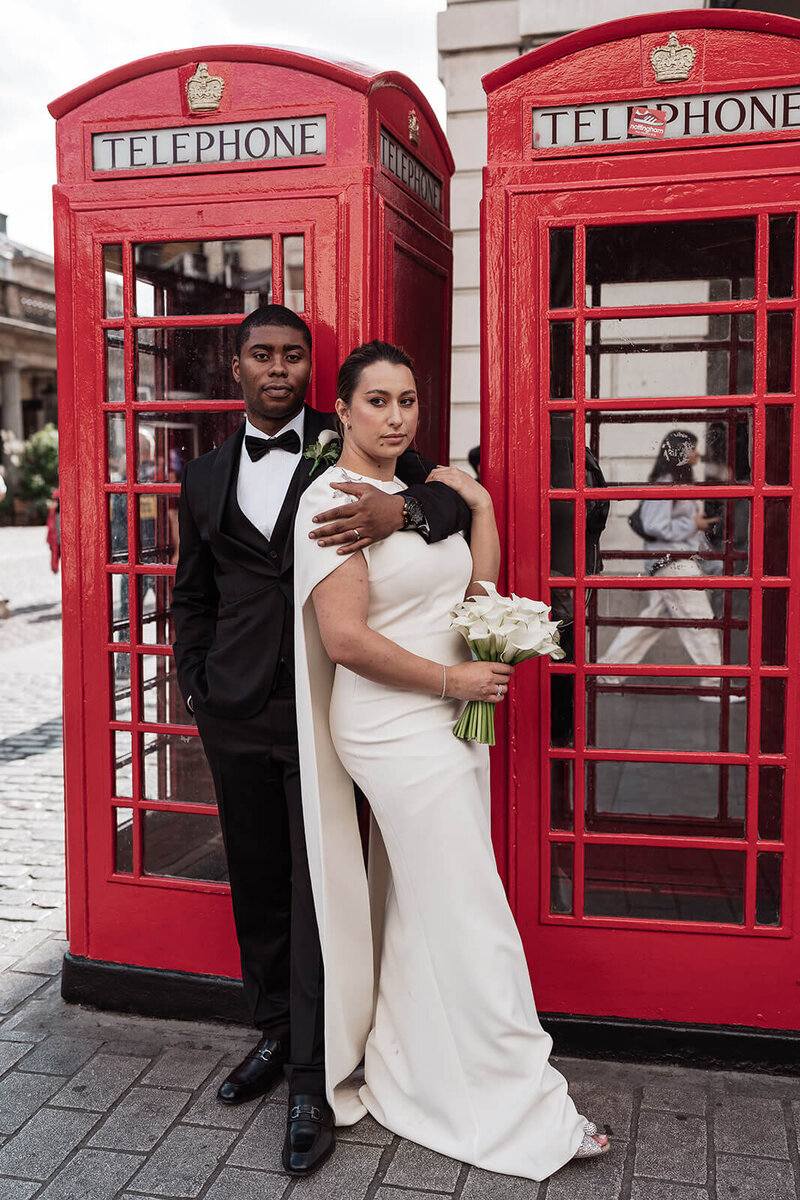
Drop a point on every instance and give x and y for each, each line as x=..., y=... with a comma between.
x=444, y=681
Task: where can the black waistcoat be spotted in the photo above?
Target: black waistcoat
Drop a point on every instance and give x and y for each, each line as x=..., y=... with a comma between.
x=235, y=524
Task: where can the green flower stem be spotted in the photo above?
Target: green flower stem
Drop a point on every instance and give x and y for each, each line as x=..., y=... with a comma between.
x=476, y=723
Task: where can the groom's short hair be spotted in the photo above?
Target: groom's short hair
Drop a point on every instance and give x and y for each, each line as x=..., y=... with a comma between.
x=270, y=314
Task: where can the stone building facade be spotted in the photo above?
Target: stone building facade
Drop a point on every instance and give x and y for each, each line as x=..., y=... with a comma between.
x=27, y=338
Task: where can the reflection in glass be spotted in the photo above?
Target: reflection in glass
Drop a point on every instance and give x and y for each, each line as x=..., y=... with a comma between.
x=185, y=364
x=121, y=687
x=778, y=444
x=123, y=764
x=776, y=536
x=640, y=719
x=628, y=443
x=162, y=702
x=659, y=630
x=117, y=527
x=123, y=841
x=674, y=545
x=562, y=450
x=561, y=359
x=773, y=713
x=774, y=622
x=155, y=600
x=158, y=529
x=561, y=803
x=188, y=278
x=770, y=803
x=561, y=875
x=562, y=709
x=175, y=768
x=112, y=270
x=768, y=888
x=118, y=585
x=562, y=270
x=562, y=523
x=115, y=447
x=636, y=357
x=681, y=253
x=115, y=366
x=781, y=255
x=780, y=334
x=183, y=846
x=684, y=799
x=167, y=441
x=293, y=273
x=665, y=883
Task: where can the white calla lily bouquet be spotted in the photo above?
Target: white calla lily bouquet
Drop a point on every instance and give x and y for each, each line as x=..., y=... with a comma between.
x=507, y=629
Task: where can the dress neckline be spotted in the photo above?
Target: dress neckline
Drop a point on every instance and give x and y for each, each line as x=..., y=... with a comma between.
x=355, y=477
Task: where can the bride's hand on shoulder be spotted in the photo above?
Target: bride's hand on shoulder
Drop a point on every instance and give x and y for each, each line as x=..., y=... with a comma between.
x=472, y=492
x=479, y=681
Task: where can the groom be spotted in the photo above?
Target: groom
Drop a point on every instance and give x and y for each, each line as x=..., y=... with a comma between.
x=233, y=615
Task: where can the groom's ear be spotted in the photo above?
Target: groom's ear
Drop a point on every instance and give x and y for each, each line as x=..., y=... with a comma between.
x=235, y=368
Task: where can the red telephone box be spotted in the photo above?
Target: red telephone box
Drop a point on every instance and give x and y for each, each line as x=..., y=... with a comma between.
x=640, y=281
x=194, y=186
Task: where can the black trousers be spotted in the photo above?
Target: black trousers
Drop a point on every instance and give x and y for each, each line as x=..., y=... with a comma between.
x=256, y=772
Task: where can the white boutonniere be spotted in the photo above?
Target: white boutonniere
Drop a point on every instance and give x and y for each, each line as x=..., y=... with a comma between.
x=325, y=451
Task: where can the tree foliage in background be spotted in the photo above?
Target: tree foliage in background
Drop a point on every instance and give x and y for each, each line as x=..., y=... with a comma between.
x=38, y=469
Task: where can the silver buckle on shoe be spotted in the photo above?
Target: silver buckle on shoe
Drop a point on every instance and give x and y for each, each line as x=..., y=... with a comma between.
x=305, y=1110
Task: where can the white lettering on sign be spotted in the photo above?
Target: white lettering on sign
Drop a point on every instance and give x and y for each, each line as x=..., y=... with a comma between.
x=769, y=109
x=201, y=145
x=409, y=170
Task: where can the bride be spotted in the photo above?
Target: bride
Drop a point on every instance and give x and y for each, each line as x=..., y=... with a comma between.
x=425, y=975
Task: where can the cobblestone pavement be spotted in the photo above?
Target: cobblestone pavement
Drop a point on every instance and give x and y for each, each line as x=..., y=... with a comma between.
x=95, y=1106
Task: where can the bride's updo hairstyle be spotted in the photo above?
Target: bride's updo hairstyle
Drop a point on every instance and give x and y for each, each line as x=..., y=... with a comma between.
x=365, y=356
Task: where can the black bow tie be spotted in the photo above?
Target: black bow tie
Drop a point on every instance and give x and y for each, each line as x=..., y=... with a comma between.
x=257, y=447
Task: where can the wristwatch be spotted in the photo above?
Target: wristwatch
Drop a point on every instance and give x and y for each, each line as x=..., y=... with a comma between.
x=413, y=514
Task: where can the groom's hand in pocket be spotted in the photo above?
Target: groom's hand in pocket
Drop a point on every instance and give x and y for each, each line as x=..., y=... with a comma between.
x=370, y=516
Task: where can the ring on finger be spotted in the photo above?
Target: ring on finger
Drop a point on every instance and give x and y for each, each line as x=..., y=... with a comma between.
x=356, y=535
x=499, y=690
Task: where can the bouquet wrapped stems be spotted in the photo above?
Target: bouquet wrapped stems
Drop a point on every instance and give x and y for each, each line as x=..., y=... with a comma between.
x=507, y=629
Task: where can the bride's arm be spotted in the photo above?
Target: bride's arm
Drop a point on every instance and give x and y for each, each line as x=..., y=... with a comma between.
x=484, y=541
x=341, y=605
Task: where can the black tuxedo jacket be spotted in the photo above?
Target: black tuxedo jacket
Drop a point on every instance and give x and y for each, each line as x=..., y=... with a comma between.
x=232, y=597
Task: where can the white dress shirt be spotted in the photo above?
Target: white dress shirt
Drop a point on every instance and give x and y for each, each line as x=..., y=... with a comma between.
x=261, y=487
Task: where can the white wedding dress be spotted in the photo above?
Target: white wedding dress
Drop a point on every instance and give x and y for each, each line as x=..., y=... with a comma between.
x=455, y=1057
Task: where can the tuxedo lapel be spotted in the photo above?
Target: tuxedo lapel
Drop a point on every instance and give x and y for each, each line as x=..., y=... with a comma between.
x=313, y=426
x=225, y=466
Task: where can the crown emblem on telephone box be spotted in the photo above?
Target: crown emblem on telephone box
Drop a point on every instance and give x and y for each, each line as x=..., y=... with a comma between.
x=413, y=127
x=204, y=91
x=673, y=62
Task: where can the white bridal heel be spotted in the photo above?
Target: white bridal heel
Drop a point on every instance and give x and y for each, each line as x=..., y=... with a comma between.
x=590, y=1147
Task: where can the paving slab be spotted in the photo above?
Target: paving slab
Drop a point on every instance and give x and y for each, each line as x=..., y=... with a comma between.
x=590, y=1179
x=671, y=1146
x=657, y=1189
x=485, y=1185
x=207, y=1110
x=42, y=1145
x=140, y=1119
x=750, y=1125
x=417, y=1167
x=182, y=1068
x=366, y=1130
x=17, y=1189
x=184, y=1162
x=20, y=1097
x=92, y=1175
x=59, y=1055
x=233, y=1183
x=12, y=1052
x=740, y=1178
x=676, y=1099
x=260, y=1147
x=102, y=1081
x=348, y=1173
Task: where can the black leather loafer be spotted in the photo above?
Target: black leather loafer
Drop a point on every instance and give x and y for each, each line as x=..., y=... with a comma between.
x=310, y=1139
x=256, y=1075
